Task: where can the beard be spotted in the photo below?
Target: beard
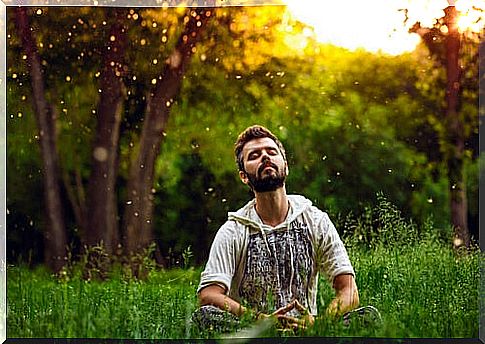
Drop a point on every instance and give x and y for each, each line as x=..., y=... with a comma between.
x=267, y=183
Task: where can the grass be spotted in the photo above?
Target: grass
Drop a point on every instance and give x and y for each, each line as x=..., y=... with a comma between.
x=421, y=286
x=423, y=289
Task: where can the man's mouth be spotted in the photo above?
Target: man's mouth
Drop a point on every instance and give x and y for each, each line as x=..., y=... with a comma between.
x=265, y=166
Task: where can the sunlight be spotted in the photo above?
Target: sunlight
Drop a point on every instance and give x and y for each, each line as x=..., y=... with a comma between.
x=470, y=18
x=377, y=25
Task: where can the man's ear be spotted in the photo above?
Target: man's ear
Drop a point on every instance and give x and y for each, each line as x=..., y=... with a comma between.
x=244, y=177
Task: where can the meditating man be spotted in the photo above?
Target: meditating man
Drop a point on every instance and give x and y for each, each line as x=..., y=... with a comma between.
x=267, y=257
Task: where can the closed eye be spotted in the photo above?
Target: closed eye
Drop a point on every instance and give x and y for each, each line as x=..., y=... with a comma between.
x=272, y=151
x=253, y=155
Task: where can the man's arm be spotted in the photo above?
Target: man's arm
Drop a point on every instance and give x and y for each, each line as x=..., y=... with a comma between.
x=347, y=295
x=215, y=295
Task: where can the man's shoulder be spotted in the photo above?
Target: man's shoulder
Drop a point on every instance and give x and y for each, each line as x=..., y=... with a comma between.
x=304, y=205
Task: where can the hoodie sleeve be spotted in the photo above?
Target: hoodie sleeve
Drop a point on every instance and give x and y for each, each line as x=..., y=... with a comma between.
x=332, y=254
x=221, y=265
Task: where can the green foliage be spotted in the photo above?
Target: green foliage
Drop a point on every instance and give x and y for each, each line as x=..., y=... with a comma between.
x=353, y=123
x=382, y=224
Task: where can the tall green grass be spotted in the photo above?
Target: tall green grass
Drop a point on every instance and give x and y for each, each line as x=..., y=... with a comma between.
x=423, y=290
x=422, y=287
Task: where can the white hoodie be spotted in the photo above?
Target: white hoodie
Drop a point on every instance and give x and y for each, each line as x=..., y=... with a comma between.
x=267, y=267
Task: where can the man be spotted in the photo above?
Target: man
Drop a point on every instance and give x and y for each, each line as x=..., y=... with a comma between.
x=265, y=260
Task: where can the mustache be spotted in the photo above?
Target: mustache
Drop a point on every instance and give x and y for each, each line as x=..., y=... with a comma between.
x=266, y=164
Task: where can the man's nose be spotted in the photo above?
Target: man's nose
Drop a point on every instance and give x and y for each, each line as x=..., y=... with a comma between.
x=264, y=156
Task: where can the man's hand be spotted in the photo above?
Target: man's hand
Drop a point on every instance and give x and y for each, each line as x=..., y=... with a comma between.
x=289, y=322
x=347, y=297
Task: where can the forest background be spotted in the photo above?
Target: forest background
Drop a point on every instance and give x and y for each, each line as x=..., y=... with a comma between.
x=141, y=107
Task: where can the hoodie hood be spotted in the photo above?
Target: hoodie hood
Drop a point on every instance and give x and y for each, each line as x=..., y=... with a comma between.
x=247, y=215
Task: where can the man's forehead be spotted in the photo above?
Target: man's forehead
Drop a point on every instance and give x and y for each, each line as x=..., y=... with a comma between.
x=259, y=143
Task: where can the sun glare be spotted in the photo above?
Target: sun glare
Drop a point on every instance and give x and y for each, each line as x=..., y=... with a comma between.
x=377, y=25
x=470, y=17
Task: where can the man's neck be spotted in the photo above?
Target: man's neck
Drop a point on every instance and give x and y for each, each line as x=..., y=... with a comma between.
x=272, y=207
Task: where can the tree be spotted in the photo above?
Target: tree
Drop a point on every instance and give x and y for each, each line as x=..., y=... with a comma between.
x=138, y=215
x=445, y=45
x=102, y=222
x=55, y=232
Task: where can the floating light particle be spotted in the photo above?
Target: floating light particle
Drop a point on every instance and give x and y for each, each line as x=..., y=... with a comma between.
x=39, y=12
x=14, y=76
x=19, y=114
x=154, y=81
x=430, y=200
x=112, y=38
x=135, y=16
x=203, y=57
x=389, y=170
x=324, y=157
x=155, y=61
x=238, y=77
x=143, y=41
x=164, y=39
x=154, y=24
x=457, y=242
x=100, y=154
x=168, y=103
x=24, y=57
x=129, y=202
x=134, y=77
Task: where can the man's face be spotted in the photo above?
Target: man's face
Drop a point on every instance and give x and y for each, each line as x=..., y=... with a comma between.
x=265, y=168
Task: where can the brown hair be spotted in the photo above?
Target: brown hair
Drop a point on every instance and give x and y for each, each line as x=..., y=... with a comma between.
x=249, y=134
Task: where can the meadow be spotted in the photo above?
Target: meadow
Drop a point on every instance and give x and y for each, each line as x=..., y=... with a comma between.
x=421, y=286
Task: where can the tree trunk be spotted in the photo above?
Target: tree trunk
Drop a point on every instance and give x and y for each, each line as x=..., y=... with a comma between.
x=455, y=130
x=102, y=222
x=55, y=231
x=138, y=215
